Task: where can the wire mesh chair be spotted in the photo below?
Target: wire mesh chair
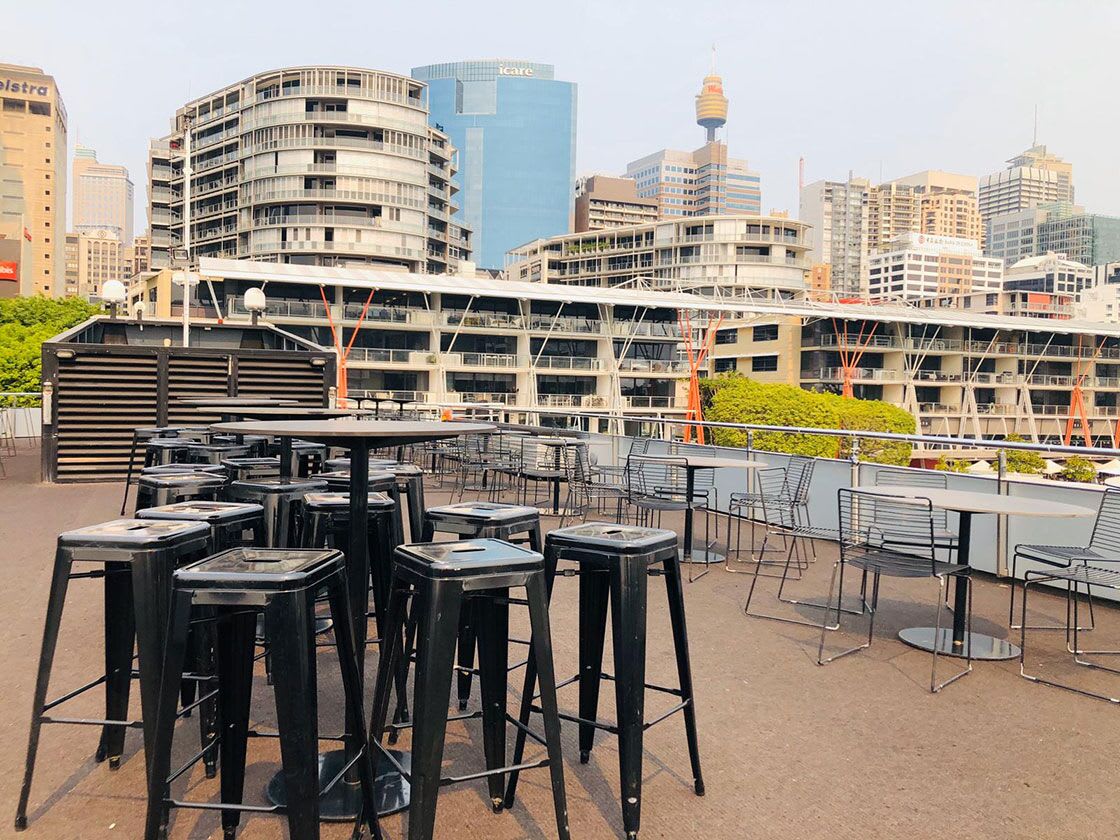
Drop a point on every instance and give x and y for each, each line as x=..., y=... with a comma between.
x=881, y=535
x=944, y=536
x=1103, y=548
x=1074, y=576
x=587, y=491
x=472, y=461
x=502, y=462
x=784, y=510
x=539, y=464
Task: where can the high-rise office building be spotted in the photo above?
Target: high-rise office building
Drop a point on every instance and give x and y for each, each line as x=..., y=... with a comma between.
x=603, y=202
x=706, y=182
x=1087, y=238
x=309, y=165
x=15, y=239
x=94, y=257
x=102, y=196
x=1013, y=236
x=139, y=256
x=919, y=265
x=837, y=212
x=33, y=134
x=1031, y=179
x=514, y=125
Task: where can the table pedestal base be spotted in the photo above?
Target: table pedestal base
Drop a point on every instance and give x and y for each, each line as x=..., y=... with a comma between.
x=341, y=803
x=983, y=647
x=701, y=555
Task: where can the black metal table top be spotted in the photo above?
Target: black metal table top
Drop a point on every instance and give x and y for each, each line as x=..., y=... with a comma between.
x=225, y=402
x=283, y=412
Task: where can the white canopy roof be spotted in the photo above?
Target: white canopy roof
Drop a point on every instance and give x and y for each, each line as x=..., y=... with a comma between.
x=737, y=307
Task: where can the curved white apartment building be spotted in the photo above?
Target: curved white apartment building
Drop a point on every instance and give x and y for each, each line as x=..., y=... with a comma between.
x=310, y=165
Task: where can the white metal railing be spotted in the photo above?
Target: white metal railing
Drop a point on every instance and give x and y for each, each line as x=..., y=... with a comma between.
x=872, y=374
x=647, y=402
x=488, y=360
x=653, y=365
x=568, y=363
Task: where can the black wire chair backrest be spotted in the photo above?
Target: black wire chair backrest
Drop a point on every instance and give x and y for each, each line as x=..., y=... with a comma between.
x=799, y=475
x=639, y=446
x=771, y=484
x=578, y=467
x=917, y=478
x=505, y=450
x=701, y=479
x=662, y=478
x=885, y=528
x=1106, y=529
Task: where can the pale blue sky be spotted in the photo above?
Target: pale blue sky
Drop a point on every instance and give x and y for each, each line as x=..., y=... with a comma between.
x=875, y=87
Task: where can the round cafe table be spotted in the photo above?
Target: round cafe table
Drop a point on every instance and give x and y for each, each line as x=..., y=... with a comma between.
x=691, y=464
x=282, y=412
x=955, y=641
x=342, y=801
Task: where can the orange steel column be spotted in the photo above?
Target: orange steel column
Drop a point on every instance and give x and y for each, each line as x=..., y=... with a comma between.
x=336, y=335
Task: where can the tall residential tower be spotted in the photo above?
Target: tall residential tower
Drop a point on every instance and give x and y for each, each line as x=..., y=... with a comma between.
x=514, y=124
x=312, y=165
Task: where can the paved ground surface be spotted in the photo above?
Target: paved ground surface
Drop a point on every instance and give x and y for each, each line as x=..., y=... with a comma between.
x=854, y=750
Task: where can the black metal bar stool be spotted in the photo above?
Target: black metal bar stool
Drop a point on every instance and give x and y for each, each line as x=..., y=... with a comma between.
x=380, y=481
x=215, y=453
x=137, y=559
x=231, y=524
x=615, y=562
x=142, y=434
x=327, y=524
x=439, y=578
x=410, y=482
x=247, y=469
x=307, y=457
x=489, y=520
x=198, y=434
x=168, y=488
x=281, y=499
x=173, y=469
x=234, y=587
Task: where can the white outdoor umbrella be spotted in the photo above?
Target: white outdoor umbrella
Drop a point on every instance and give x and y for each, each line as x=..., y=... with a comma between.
x=1110, y=468
x=1051, y=467
x=979, y=467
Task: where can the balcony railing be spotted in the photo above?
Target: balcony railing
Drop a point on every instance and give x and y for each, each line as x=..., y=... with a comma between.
x=500, y=397
x=835, y=374
x=568, y=363
x=647, y=401
x=653, y=366
x=487, y=360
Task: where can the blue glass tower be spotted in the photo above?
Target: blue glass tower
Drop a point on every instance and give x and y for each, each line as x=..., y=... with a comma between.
x=514, y=125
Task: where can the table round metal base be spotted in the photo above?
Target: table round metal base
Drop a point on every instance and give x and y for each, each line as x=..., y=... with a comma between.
x=702, y=556
x=341, y=803
x=983, y=647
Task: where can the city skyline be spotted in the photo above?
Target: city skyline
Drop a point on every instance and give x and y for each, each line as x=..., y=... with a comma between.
x=970, y=116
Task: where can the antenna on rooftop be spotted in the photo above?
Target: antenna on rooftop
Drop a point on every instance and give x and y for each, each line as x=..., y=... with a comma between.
x=1034, y=137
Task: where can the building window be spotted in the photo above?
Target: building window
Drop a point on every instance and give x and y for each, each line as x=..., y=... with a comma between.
x=725, y=364
x=727, y=336
x=43, y=109
x=765, y=332
x=764, y=364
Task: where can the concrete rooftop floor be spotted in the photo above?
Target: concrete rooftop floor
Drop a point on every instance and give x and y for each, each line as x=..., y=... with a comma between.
x=857, y=749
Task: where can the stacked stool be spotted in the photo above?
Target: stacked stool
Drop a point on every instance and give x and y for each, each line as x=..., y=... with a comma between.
x=154, y=490
x=247, y=469
x=215, y=453
x=614, y=563
x=234, y=588
x=439, y=578
x=137, y=559
x=410, y=483
x=143, y=434
x=379, y=481
x=489, y=520
x=281, y=499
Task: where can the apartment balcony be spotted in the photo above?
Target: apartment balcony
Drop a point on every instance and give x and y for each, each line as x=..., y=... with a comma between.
x=392, y=358
x=571, y=363
x=496, y=397
x=646, y=329
x=361, y=248
x=221, y=160
x=344, y=118
x=256, y=196
x=1049, y=381
x=647, y=402
x=405, y=175
x=482, y=360
x=835, y=374
x=655, y=366
x=482, y=320
x=340, y=91
x=395, y=396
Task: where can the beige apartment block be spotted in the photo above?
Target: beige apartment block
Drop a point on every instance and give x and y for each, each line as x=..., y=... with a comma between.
x=33, y=136
x=604, y=202
x=94, y=257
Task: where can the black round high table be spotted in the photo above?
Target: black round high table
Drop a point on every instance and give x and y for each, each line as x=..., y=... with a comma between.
x=233, y=402
x=282, y=412
x=341, y=803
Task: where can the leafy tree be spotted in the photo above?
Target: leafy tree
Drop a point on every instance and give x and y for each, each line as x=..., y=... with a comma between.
x=1022, y=461
x=737, y=399
x=1078, y=469
x=955, y=465
x=25, y=323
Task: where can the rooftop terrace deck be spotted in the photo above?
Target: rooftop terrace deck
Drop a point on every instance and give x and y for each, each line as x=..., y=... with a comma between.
x=855, y=750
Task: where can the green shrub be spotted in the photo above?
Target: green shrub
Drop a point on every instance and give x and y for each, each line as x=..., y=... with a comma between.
x=25, y=323
x=736, y=399
x=955, y=465
x=1078, y=469
x=1021, y=461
